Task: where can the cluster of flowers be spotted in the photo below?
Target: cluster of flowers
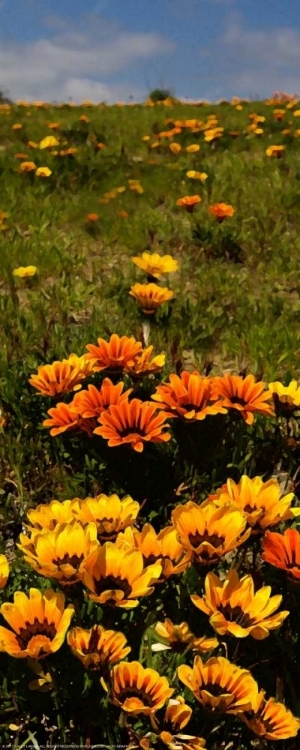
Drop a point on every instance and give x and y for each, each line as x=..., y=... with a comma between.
x=96, y=542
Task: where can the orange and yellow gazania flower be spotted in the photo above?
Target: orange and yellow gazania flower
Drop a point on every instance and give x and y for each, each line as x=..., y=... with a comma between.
x=188, y=396
x=110, y=514
x=49, y=142
x=168, y=729
x=62, y=376
x=272, y=720
x=242, y=394
x=117, y=576
x=48, y=516
x=63, y=419
x=4, y=571
x=208, y=531
x=38, y=623
x=142, y=364
x=61, y=553
x=137, y=689
x=27, y=166
x=193, y=175
x=283, y=551
x=276, y=151
x=92, y=402
x=221, y=211
x=188, y=202
x=220, y=686
x=98, y=648
x=25, y=272
x=150, y=296
x=259, y=501
x=114, y=354
x=235, y=609
x=133, y=423
x=175, y=148
x=179, y=638
x=155, y=265
x=43, y=172
x=163, y=547
x=286, y=397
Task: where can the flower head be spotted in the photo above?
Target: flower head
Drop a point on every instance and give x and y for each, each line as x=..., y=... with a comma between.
x=286, y=397
x=62, y=376
x=243, y=395
x=235, y=609
x=48, y=516
x=38, y=624
x=188, y=202
x=114, y=354
x=283, y=551
x=25, y=272
x=133, y=423
x=220, y=685
x=43, y=172
x=63, y=419
x=61, y=553
x=110, y=514
x=27, y=166
x=259, y=501
x=175, y=148
x=4, y=571
x=179, y=637
x=156, y=265
x=193, y=175
x=98, y=648
x=92, y=402
x=116, y=575
x=272, y=720
x=188, y=396
x=49, y=142
x=193, y=148
x=150, y=296
x=142, y=364
x=209, y=532
x=163, y=547
x=137, y=689
x=276, y=151
x=221, y=211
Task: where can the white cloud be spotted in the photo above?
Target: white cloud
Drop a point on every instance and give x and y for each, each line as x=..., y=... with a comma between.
x=77, y=61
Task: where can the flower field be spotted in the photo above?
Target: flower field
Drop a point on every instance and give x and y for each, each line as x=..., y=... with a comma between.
x=149, y=425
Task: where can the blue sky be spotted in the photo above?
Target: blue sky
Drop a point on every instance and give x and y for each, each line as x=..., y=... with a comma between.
x=113, y=49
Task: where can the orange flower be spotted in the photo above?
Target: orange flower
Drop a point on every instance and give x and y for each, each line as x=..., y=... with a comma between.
x=97, y=648
x=188, y=396
x=144, y=365
x=242, y=394
x=115, y=354
x=276, y=151
x=92, y=217
x=150, y=296
x=133, y=423
x=62, y=377
x=220, y=685
x=189, y=202
x=175, y=148
x=272, y=720
x=17, y=126
x=163, y=547
x=179, y=637
x=63, y=419
x=21, y=156
x=221, y=211
x=283, y=551
x=84, y=118
x=123, y=214
x=54, y=125
x=27, y=166
x=137, y=689
x=92, y=402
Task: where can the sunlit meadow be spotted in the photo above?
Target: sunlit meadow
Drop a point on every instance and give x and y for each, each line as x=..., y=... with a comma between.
x=149, y=412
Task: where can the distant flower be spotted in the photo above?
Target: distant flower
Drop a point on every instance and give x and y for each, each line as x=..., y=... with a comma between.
x=146, y=138
x=135, y=186
x=117, y=576
x=175, y=148
x=17, y=126
x=114, y=354
x=235, y=609
x=272, y=720
x=134, y=423
x=221, y=211
x=242, y=394
x=54, y=125
x=283, y=551
x=193, y=148
x=220, y=686
x=150, y=296
x=43, y=172
x=38, y=624
x=4, y=571
x=123, y=214
x=21, y=156
x=84, y=118
x=27, y=166
x=275, y=151
x=278, y=114
x=92, y=217
x=193, y=175
x=25, y=272
x=98, y=648
x=189, y=202
x=60, y=554
x=49, y=142
x=137, y=689
x=156, y=265
x=101, y=146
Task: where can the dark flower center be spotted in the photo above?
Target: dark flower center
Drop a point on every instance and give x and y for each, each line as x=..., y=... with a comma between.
x=236, y=614
x=130, y=430
x=214, y=539
x=73, y=560
x=238, y=400
x=128, y=691
x=112, y=583
x=214, y=689
x=36, y=628
x=92, y=645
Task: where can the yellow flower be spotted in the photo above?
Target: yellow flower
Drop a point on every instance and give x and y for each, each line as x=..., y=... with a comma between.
x=49, y=142
x=98, y=648
x=286, y=397
x=138, y=690
x=17, y=126
x=220, y=686
x=24, y=272
x=272, y=720
x=208, y=531
x=175, y=148
x=150, y=296
x=193, y=175
x=27, y=166
x=234, y=608
x=142, y=364
x=275, y=151
x=155, y=265
x=60, y=553
x=163, y=547
x=38, y=624
x=110, y=514
x=260, y=502
x=296, y=113
x=146, y=138
x=179, y=638
x=4, y=571
x=43, y=172
x=48, y=516
x=193, y=148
